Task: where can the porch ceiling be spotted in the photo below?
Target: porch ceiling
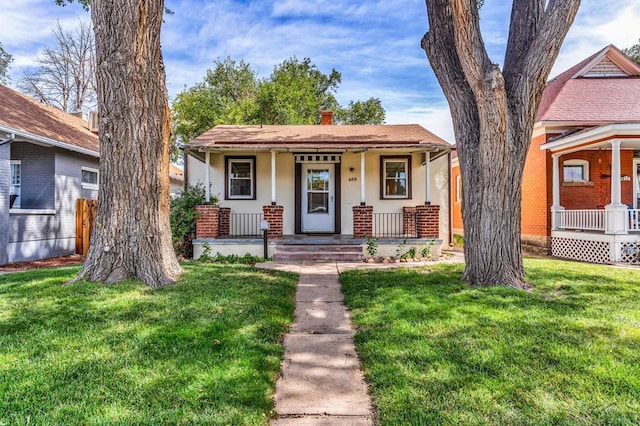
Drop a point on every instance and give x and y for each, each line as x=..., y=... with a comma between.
x=597, y=137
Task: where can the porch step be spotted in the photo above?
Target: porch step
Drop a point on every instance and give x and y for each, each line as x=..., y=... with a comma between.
x=337, y=252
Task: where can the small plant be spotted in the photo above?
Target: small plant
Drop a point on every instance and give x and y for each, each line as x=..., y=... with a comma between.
x=247, y=259
x=426, y=250
x=206, y=252
x=400, y=252
x=458, y=240
x=410, y=254
x=372, y=246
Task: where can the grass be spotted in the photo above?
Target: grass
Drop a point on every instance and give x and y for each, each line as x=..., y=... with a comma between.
x=205, y=351
x=436, y=351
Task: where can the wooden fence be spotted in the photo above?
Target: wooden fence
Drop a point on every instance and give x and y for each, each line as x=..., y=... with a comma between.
x=85, y=216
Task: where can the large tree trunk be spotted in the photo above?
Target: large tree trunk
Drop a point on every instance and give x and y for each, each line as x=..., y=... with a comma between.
x=131, y=236
x=493, y=113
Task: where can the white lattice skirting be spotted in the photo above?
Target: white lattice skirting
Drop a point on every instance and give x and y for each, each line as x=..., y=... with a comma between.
x=583, y=250
x=631, y=253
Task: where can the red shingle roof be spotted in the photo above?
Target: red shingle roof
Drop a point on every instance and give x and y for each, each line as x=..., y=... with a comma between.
x=572, y=98
x=23, y=114
x=319, y=136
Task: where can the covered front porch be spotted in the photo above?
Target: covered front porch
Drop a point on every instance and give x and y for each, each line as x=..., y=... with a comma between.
x=595, y=214
x=360, y=182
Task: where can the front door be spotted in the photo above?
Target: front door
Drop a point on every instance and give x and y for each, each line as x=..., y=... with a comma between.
x=318, y=197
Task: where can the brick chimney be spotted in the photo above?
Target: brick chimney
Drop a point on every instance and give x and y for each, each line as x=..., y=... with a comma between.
x=327, y=118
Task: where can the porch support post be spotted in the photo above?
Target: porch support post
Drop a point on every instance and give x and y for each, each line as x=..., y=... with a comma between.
x=616, y=211
x=362, y=186
x=556, y=208
x=427, y=178
x=207, y=176
x=616, y=199
x=273, y=178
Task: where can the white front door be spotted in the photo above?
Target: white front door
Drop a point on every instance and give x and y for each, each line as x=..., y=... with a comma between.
x=318, y=198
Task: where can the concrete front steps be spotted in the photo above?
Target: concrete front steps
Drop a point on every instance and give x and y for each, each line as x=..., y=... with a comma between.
x=321, y=250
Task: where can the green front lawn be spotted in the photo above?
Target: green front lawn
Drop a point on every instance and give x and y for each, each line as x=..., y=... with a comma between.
x=205, y=351
x=436, y=351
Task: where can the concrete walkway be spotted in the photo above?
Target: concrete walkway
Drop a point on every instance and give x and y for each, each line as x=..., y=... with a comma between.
x=321, y=381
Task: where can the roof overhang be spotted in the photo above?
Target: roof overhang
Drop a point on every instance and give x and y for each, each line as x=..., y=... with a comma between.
x=597, y=137
x=49, y=142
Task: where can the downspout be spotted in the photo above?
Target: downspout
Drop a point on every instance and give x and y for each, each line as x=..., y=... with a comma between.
x=450, y=199
x=185, y=170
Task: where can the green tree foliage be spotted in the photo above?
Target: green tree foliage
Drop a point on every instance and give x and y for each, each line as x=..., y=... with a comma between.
x=5, y=60
x=227, y=95
x=295, y=93
x=359, y=112
x=633, y=52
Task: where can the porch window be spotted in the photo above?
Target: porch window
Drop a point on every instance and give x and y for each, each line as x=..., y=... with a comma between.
x=240, y=176
x=575, y=171
x=15, y=184
x=458, y=188
x=395, y=177
x=89, y=178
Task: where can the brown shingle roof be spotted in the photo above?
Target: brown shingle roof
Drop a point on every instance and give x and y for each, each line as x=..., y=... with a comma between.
x=572, y=98
x=319, y=136
x=23, y=114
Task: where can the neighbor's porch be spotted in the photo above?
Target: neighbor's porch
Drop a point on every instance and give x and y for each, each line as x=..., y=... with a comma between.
x=606, y=231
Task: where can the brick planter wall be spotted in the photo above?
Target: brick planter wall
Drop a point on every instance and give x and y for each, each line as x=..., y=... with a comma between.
x=273, y=215
x=225, y=221
x=409, y=221
x=207, y=221
x=362, y=221
x=428, y=221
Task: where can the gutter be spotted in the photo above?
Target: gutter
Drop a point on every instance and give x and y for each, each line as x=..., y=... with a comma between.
x=51, y=142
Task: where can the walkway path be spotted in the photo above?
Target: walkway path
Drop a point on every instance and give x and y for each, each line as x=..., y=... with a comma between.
x=321, y=382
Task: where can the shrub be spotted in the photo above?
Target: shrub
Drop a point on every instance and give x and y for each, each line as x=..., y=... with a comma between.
x=183, y=218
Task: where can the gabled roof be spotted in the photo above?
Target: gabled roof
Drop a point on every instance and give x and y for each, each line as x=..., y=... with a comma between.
x=604, y=88
x=318, y=137
x=30, y=119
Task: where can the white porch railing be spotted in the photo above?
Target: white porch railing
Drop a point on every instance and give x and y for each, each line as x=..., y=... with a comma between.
x=594, y=220
x=634, y=220
x=587, y=220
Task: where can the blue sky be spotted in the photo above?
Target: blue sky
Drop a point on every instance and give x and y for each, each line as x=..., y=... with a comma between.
x=374, y=44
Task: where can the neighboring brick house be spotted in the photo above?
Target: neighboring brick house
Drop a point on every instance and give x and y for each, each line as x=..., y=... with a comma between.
x=587, y=131
x=333, y=184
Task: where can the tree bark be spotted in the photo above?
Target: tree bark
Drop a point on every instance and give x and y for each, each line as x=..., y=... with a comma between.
x=131, y=236
x=493, y=113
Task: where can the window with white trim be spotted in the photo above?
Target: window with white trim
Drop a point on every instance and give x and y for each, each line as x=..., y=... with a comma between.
x=395, y=177
x=90, y=178
x=458, y=188
x=15, y=185
x=575, y=171
x=241, y=180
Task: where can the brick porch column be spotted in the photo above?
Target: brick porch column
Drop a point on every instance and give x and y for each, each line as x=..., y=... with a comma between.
x=362, y=221
x=207, y=221
x=428, y=221
x=273, y=215
x=409, y=221
x=224, y=228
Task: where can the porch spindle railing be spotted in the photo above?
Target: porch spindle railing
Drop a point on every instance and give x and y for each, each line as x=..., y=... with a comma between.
x=588, y=220
x=391, y=225
x=634, y=220
x=244, y=225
